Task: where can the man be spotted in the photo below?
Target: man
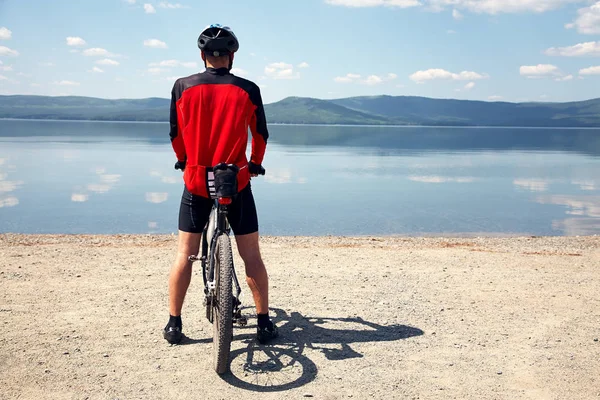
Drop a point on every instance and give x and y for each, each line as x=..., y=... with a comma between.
x=210, y=116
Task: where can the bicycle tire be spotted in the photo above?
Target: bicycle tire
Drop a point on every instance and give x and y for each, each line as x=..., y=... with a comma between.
x=222, y=305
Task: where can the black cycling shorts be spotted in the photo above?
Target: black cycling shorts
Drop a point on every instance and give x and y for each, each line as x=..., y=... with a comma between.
x=195, y=210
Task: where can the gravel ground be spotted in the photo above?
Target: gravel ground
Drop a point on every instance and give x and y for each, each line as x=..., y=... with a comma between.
x=385, y=318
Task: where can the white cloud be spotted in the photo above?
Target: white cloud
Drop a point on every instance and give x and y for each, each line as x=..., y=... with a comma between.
x=6, y=68
x=281, y=70
x=476, y=6
x=155, y=43
x=156, y=70
x=500, y=6
x=347, y=79
x=450, y=32
x=164, y=4
x=239, y=72
x=303, y=65
x=75, y=41
x=369, y=80
x=174, y=63
x=588, y=20
x=66, y=83
x=495, y=98
x=5, y=33
x=47, y=64
x=172, y=78
x=97, y=70
x=96, y=52
x=374, y=3
x=457, y=15
x=107, y=61
x=130, y=1
x=469, y=86
x=157, y=197
x=373, y=80
x=578, y=50
x=152, y=225
x=149, y=8
x=3, y=78
x=5, y=51
x=564, y=78
x=539, y=71
x=437, y=73
x=79, y=198
x=590, y=71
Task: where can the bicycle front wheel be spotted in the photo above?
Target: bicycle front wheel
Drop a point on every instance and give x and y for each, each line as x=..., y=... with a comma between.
x=222, y=304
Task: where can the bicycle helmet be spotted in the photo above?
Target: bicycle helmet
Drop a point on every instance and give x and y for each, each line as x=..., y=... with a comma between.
x=218, y=40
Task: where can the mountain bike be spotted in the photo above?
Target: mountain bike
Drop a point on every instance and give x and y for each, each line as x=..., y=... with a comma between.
x=221, y=286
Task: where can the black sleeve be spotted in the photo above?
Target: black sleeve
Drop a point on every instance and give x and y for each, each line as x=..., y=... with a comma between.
x=261, y=119
x=173, y=116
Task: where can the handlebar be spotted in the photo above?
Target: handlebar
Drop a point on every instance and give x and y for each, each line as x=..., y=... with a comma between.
x=254, y=168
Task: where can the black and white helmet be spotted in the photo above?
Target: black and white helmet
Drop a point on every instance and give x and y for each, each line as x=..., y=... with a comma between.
x=218, y=40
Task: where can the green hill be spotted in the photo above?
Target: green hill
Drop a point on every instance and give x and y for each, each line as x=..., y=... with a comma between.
x=366, y=110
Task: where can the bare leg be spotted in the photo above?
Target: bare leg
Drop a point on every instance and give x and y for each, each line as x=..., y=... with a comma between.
x=256, y=273
x=181, y=272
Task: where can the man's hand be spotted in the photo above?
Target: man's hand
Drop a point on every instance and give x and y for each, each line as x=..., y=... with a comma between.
x=255, y=169
x=180, y=165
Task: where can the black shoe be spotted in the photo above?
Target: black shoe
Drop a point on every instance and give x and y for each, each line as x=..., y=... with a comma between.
x=267, y=333
x=172, y=334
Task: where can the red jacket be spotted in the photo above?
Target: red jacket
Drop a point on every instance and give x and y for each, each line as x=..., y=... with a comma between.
x=210, y=116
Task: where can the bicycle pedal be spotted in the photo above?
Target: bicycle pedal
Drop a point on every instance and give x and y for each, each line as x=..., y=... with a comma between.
x=241, y=321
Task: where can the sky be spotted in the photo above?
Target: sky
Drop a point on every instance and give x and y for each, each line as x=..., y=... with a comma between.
x=491, y=50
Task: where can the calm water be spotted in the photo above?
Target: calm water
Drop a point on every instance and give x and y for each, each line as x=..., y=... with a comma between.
x=87, y=177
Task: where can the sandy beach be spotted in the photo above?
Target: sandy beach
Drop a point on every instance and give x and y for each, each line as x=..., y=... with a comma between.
x=383, y=318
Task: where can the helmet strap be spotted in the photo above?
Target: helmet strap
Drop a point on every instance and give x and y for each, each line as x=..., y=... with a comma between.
x=230, y=61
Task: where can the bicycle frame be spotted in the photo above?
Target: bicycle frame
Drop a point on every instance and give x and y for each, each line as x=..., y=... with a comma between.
x=216, y=226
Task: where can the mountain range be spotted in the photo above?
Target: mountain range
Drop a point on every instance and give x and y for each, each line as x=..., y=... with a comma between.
x=364, y=110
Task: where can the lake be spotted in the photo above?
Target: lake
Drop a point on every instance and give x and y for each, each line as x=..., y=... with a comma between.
x=107, y=178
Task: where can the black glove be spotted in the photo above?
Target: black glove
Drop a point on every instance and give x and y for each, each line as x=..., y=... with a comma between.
x=180, y=165
x=255, y=169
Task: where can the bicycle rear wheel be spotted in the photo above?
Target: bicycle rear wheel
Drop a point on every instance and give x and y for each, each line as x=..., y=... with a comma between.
x=222, y=304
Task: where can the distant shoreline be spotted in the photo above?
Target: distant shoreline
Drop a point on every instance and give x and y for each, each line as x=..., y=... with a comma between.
x=323, y=125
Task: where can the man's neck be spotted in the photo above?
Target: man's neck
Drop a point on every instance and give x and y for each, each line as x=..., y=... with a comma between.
x=216, y=66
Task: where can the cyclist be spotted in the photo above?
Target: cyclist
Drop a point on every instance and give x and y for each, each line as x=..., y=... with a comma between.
x=210, y=116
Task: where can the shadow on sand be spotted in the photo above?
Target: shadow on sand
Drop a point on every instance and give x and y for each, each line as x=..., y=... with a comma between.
x=282, y=365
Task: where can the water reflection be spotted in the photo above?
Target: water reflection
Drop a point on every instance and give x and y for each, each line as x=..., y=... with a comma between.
x=7, y=186
x=392, y=139
x=156, y=198
x=588, y=206
x=533, y=185
x=166, y=179
x=320, y=180
x=79, y=198
x=577, y=226
x=8, y=202
x=98, y=188
x=585, y=184
x=442, y=179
